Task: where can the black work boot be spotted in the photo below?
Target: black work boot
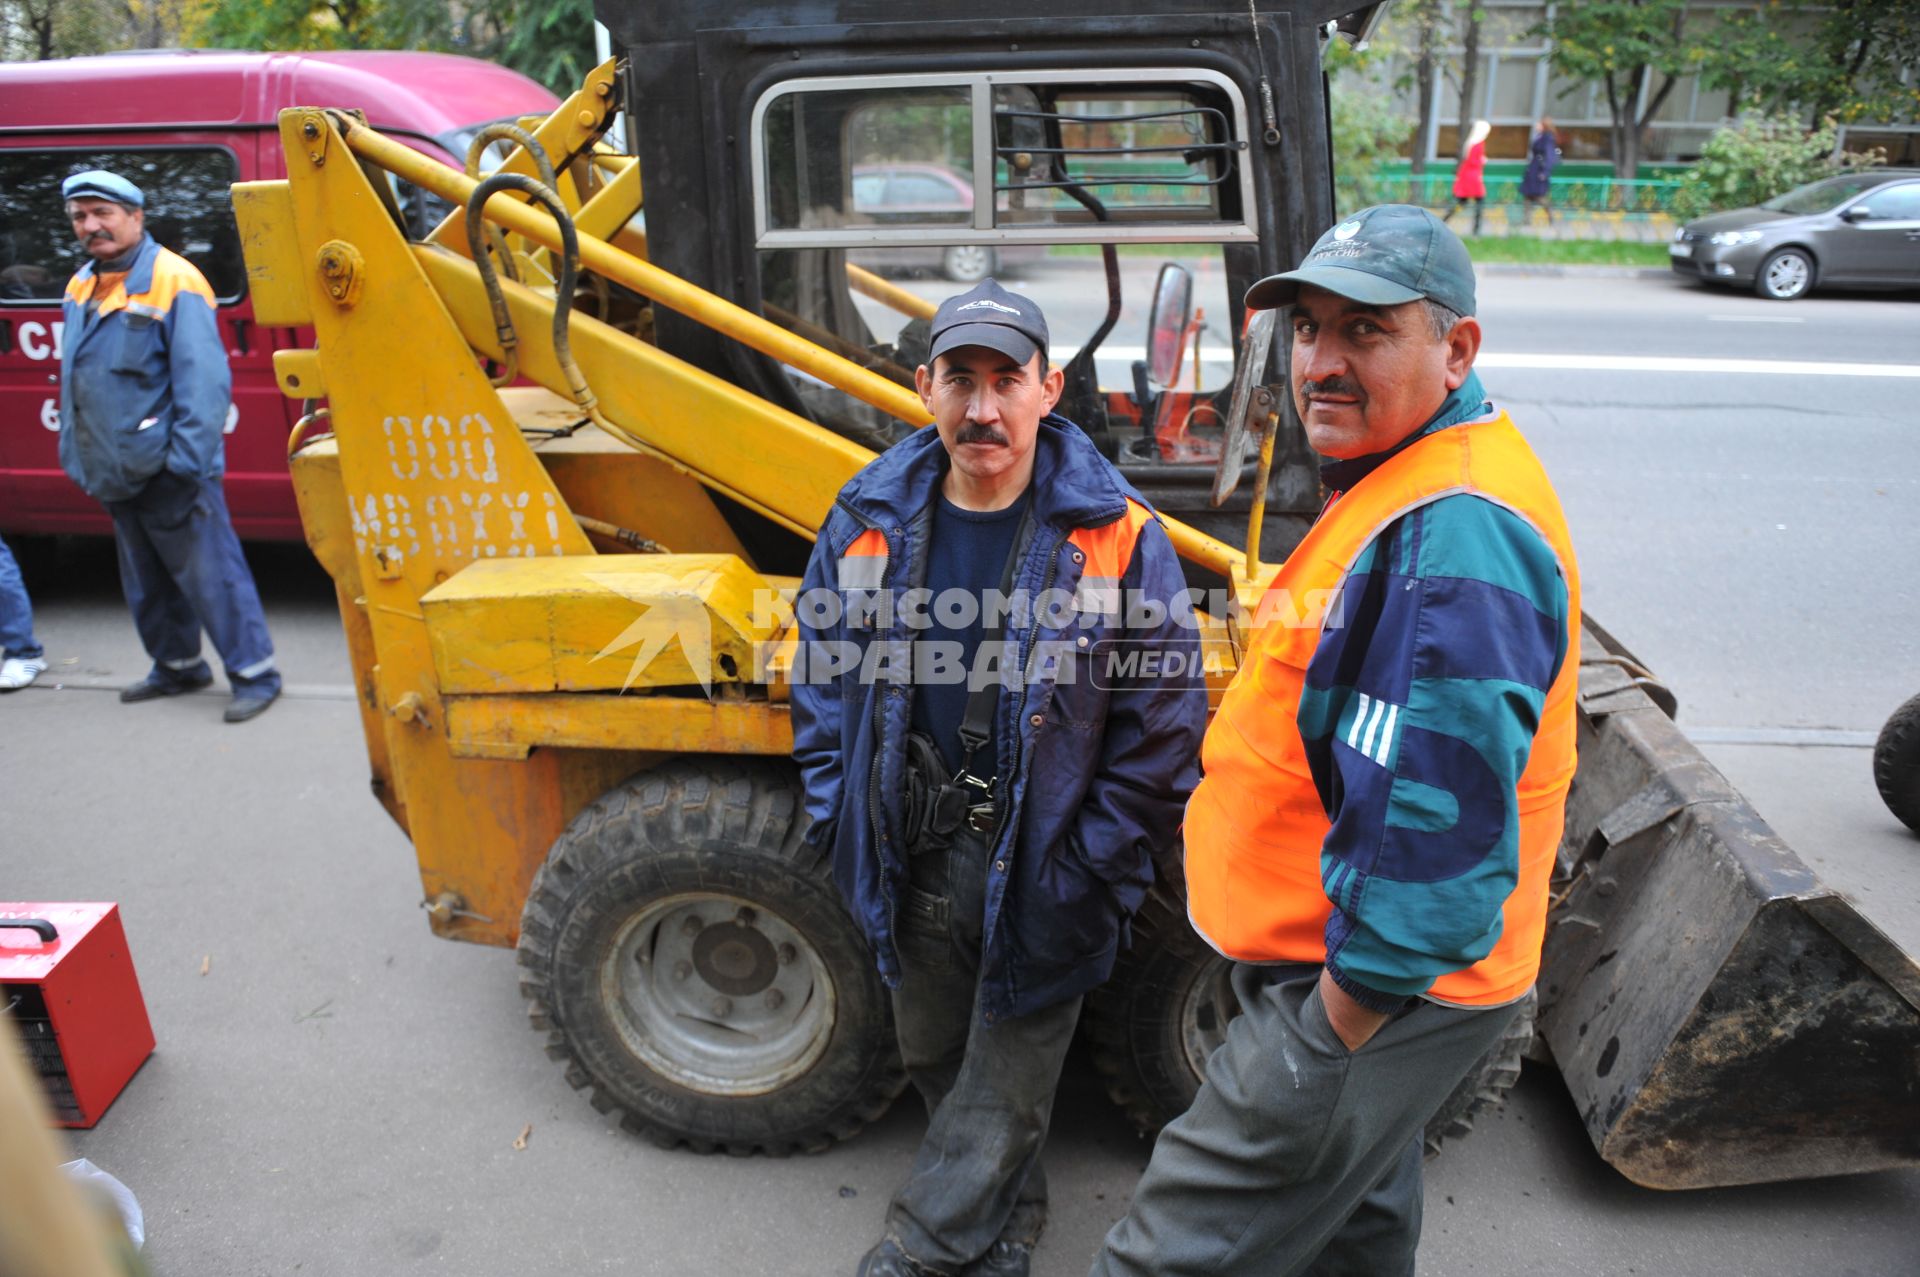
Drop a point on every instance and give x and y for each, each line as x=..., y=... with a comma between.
x=888, y=1260
x=1003, y=1259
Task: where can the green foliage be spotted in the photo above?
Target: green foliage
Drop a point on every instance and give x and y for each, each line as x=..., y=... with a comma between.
x=1367, y=130
x=1368, y=127
x=1621, y=45
x=548, y=40
x=1851, y=60
x=1755, y=159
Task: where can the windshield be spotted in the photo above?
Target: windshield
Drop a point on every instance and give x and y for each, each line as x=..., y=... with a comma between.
x=1825, y=196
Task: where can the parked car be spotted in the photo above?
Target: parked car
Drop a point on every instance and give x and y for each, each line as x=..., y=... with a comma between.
x=185, y=126
x=934, y=195
x=1858, y=230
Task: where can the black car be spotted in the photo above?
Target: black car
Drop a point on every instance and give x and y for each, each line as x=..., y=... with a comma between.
x=1857, y=230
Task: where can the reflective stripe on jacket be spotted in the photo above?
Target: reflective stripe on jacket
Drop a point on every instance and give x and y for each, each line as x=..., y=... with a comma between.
x=144, y=380
x=1261, y=882
x=1100, y=765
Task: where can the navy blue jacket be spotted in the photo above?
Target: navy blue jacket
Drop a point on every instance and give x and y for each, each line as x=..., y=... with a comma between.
x=1101, y=753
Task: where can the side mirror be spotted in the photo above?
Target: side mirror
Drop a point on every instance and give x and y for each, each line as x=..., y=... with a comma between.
x=1167, y=323
x=1236, y=433
x=1858, y=213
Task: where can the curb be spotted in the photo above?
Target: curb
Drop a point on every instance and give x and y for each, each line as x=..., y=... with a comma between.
x=1549, y=270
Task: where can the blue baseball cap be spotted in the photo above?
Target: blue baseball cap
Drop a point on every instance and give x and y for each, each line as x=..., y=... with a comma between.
x=1382, y=256
x=101, y=184
x=988, y=315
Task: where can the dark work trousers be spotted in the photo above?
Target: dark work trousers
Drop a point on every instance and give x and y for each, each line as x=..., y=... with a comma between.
x=1299, y=1156
x=182, y=570
x=988, y=1088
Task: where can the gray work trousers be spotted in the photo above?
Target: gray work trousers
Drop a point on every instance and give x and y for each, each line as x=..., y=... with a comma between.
x=1299, y=1156
x=988, y=1087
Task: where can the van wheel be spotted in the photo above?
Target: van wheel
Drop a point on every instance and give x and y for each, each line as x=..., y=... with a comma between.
x=693, y=966
x=1167, y=1007
x=967, y=263
x=1785, y=276
x=1896, y=764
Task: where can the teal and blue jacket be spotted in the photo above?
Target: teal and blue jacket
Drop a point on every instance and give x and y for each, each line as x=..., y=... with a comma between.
x=1457, y=613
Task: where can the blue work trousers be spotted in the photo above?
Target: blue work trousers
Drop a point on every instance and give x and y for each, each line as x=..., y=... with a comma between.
x=16, y=611
x=988, y=1088
x=182, y=570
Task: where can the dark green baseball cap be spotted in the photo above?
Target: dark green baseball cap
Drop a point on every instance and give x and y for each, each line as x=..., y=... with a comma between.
x=1383, y=256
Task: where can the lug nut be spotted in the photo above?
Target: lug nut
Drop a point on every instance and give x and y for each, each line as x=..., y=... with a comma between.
x=681, y=970
x=775, y=999
x=787, y=953
x=692, y=925
x=722, y=1008
x=746, y=917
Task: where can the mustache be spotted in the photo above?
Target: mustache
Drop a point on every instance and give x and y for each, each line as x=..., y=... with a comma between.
x=974, y=432
x=1331, y=386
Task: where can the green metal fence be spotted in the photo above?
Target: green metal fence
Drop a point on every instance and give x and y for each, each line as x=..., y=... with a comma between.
x=1579, y=194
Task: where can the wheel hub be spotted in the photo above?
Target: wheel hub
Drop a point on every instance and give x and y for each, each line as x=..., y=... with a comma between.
x=719, y=994
x=737, y=960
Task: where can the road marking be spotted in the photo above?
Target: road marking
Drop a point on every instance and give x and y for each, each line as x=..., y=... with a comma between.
x=1596, y=363
x=1833, y=737
x=1673, y=363
x=1758, y=319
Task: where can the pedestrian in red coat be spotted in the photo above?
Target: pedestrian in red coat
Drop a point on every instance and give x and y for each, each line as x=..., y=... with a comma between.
x=1470, y=178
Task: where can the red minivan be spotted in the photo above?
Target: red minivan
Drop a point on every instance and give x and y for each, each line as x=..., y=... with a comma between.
x=185, y=126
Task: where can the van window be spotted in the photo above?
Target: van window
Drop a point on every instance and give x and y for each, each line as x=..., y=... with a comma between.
x=189, y=210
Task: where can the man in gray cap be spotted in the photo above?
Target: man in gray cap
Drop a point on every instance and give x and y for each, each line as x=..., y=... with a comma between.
x=144, y=394
x=991, y=789
x=1384, y=789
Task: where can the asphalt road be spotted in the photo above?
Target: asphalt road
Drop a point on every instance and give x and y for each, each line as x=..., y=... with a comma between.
x=339, y=1092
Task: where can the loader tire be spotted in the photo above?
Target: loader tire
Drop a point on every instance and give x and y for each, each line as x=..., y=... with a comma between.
x=1896, y=764
x=693, y=966
x=1153, y=1025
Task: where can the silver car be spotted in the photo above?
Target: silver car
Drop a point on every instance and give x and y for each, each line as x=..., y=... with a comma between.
x=1858, y=230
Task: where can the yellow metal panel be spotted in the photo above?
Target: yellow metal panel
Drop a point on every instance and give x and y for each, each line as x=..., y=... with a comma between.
x=668, y=724
x=613, y=622
x=435, y=476
x=300, y=374
x=276, y=281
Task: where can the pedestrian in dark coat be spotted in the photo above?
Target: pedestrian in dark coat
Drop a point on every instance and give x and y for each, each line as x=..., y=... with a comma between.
x=1543, y=156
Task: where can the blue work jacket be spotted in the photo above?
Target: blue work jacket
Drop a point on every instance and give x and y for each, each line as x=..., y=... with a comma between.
x=1098, y=756
x=144, y=381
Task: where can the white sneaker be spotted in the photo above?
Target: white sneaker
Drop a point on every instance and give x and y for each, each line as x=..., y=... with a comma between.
x=17, y=671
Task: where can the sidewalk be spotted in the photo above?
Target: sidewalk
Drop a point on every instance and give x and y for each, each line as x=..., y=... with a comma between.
x=1503, y=220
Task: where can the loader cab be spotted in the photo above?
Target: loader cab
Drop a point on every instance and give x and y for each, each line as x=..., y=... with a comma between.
x=842, y=166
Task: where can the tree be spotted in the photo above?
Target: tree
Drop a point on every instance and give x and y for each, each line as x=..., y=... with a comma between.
x=1470, y=20
x=1623, y=45
x=1846, y=60
x=548, y=40
x=1367, y=125
x=1426, y=16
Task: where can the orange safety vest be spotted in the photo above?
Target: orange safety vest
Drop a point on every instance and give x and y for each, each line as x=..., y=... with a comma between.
x=1255, y=826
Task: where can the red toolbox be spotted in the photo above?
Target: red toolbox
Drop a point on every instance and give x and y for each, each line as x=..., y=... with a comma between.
x=67, y=985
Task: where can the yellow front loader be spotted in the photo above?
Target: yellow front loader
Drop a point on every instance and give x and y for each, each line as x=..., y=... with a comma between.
x=544, y=532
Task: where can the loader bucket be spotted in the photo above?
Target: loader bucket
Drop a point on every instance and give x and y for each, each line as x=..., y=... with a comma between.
x=1719, y=1015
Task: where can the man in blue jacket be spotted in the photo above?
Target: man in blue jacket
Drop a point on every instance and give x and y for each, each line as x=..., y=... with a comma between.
x=997, y=709
x=144, y=393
